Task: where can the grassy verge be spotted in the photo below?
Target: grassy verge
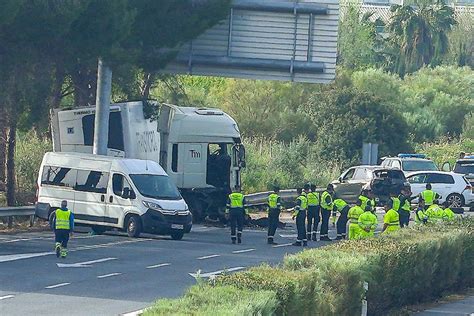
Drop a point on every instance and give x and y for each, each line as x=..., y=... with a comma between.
x=413, y=266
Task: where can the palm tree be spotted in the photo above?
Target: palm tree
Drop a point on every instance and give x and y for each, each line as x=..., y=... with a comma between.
x=419, y=35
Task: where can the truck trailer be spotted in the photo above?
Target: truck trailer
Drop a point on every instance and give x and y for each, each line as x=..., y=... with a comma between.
x=199, y=148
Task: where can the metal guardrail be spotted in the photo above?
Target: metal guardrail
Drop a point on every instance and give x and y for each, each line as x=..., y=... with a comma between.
x=10, y=211
x=261, y=198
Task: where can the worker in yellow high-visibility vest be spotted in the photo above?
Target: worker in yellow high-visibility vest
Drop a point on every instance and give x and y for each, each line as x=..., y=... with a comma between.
x=63, y=227
x=429, y=196
x=235, y=212
x=274, y=209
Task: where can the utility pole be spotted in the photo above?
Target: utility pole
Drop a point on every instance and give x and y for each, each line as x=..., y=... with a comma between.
x=102, y=109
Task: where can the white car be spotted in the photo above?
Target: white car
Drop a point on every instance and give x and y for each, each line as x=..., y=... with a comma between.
x=452, y=187
x=409, y=163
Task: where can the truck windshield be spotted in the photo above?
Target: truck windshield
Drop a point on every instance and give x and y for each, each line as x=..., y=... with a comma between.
x=156, y=187
x=419, y=165
x=464, y=168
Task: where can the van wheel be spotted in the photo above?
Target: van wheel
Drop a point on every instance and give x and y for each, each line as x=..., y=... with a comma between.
x=455, y=199
x=134, y=226
x=99, y=230
x=52, y=217
x=177, y=235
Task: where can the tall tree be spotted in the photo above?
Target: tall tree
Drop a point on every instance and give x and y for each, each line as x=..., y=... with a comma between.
x=418, y=35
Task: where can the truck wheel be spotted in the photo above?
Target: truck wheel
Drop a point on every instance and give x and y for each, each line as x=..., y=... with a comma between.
x=52, y=217
x=455, y=199
x=99, y=230
x=134, y=226
x=177, y=235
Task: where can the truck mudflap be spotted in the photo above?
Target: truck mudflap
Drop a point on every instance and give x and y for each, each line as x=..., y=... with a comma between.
x=155, y=222
x=42, y=210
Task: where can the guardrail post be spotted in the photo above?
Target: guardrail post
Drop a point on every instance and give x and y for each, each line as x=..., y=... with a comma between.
x=364, y=299
x=32, y=220
x=10, y=221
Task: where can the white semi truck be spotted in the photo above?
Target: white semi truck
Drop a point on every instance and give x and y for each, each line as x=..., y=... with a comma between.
x=199, y=148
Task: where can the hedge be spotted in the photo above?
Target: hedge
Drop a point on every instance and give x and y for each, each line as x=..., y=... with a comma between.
x=408, y=267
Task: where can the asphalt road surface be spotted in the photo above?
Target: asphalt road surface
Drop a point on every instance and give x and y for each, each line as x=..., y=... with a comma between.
x=114, y=274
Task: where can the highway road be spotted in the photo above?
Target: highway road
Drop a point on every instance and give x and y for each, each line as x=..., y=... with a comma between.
x=114, y=274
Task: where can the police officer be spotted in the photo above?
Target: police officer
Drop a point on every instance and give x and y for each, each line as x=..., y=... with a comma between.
x=274, y=208
x=63, y=227
x=405, y=206
x=353, y=215
x=367, y=223
x=326, y=203
x=300, y=215
x=391, y=219
x=236, y=212
x=313, y=213
x=342, y=207
x=429, y=196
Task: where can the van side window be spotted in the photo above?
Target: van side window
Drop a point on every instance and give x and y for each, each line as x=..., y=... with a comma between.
x=92, y=181
x=119, y=183
x=64, y=177
x=174, y=158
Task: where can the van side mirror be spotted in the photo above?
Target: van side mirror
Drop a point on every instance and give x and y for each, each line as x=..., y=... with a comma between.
x=340, y=179
x=446, y=166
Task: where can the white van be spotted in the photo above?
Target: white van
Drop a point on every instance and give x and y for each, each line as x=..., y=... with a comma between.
x=108, y=192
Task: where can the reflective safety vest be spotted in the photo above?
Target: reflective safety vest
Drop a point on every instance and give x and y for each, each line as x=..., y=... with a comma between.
x=236, y=200
x=326, y=201
x=435, y=213
x=368, y=220
x=406, y=205
x=392, y=219
x=448, y=214
x=354, y=213
x=303, y=202
x=364, y=200
x=339, y=204
x=420, y=216
x=62, y=219
x=428, y=196
x=273, y=201
x=396, y=203
x=313, y=198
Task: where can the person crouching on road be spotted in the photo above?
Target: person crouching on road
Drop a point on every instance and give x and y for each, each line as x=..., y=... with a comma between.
x=63, y=227
x=367, y=223
x=420, y=214
x=354, y=213
x=274, y=209
x=300, y=215
x=391, y=219
x=313, y=213
x=235, y=213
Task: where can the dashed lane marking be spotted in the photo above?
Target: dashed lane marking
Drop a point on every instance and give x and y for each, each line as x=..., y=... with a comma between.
x=208, y=257
x=6, y=297
x=158, y=265
x=83, y=264
x=135, y=313
x=282, y=245
x=108, y=275
x=57, y=285
x=243, y=250
x=212, y=274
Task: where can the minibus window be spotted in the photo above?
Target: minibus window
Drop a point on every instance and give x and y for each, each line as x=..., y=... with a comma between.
x=156, y=187
x=119, y=182
x=92, y=181
x=174, y=158
x=64, y=177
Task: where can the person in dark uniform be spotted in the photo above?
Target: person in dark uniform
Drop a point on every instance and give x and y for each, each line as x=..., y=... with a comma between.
x=63, y=226
x=342, y=207
x=300, y=215
x=326, y=203
x=274, y=209
x=236, y=212
x=313, y=213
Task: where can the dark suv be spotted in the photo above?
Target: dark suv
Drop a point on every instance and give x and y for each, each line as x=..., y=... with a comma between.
x=380, y=180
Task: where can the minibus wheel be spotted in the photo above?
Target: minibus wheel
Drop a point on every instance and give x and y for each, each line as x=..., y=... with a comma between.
x=177, y=235
x=52, y=217
x=134, y=226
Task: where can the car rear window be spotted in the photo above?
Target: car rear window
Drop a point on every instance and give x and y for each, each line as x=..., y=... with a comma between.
x=393, y=174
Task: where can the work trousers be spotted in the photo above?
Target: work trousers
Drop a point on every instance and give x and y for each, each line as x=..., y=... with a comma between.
x=273, y=219
x=354, y=231
x=62, y=236
x=300, y=225
x=342, y=222
x=325, y=215
x=313, y=218
x=404, y=218
x=236, y=219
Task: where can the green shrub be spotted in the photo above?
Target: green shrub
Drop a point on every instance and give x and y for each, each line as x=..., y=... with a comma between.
x=219, y=300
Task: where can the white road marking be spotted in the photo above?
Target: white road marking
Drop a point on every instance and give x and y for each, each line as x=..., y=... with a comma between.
x=57, y=285
x=158, y=265
x=244, y=250
x=7, y=258
x=84, y=264
x=208, y=257
x=135, y=313
x=6, y=296
x=282, y=245
x=108, y=275
x=288, y=235
x=215, y=273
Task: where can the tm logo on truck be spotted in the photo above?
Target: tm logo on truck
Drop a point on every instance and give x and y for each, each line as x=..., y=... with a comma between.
x=195, y=154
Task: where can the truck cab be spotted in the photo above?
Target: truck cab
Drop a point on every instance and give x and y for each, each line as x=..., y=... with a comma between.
x=199, y=148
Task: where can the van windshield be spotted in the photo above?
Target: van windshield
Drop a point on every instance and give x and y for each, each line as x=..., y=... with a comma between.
x=419, y=165
x=156, y=187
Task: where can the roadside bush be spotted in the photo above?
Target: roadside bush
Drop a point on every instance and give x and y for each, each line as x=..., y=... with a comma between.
x=219, y=300
x=412, y=266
